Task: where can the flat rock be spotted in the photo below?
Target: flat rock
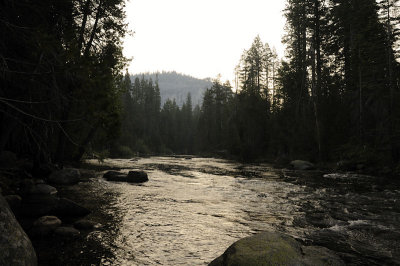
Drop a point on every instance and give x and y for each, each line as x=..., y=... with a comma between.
x=271, y=248
x=137, y=177
x=66, y=231
x=66, y=176
x=15, y=246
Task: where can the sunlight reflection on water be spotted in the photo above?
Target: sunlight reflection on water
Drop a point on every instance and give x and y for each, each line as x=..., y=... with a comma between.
x=191, y=210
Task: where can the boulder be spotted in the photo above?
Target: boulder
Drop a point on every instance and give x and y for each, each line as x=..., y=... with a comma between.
x=45, y=225
x=66, y=207
x=115, y=176
x=301, y=165
x=66, y=176
x=137, y=177
x=66, y=232
x=15, y=246
x=271, y=248
x=43, y=189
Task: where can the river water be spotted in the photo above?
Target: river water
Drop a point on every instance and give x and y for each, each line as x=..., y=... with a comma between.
x=192, y=209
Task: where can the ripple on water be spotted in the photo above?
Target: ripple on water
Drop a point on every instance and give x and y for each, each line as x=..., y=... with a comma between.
x=192, y=210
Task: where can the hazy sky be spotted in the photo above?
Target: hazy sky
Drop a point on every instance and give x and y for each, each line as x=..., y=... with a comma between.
x=202, y=38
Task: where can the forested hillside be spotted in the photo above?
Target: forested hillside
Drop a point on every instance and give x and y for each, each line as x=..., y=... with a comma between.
x=176, y=86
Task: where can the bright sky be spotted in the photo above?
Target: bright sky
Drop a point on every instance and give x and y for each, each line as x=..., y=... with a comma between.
x=201, y=38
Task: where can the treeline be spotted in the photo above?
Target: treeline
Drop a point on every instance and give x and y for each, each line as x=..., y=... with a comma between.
x=60, y=65
x=339, y=87
x=176, y=86
x=334, y=97
x=147, y=128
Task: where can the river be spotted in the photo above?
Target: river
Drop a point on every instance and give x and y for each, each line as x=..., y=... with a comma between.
x=192, y=209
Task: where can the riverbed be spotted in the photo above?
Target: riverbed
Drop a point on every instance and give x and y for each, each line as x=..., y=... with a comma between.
x=192, y=209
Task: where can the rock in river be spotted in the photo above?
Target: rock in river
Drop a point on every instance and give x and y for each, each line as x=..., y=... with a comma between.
x=270, y=248
x=15, y=246
x=132, y=177
x=66, y=176
x=115, y=176
x=137, y=177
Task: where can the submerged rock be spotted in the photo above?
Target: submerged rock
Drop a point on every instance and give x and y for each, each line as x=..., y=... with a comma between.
x=270, y=248
x=137, y=177
x=66, y=176
x=15, y=246
x=301, y=165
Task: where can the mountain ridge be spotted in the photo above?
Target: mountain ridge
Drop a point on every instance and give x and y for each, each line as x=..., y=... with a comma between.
x=174, y=85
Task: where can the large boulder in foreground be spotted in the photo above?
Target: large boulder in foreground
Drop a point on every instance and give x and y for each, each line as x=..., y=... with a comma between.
x=15, y=246
x=66, y=176
x=270, y=248
x=301, y=165
x=137, y=177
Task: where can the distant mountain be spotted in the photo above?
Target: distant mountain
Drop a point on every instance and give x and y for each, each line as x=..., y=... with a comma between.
x=176, y=86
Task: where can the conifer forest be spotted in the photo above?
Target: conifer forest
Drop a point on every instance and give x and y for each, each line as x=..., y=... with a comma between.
x=65, y=95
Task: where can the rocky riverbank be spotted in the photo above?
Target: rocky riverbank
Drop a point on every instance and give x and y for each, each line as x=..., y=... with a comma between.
x=336, y=211
x=47, y=215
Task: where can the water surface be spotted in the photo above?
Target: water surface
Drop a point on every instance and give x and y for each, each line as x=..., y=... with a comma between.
x=192, y=209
